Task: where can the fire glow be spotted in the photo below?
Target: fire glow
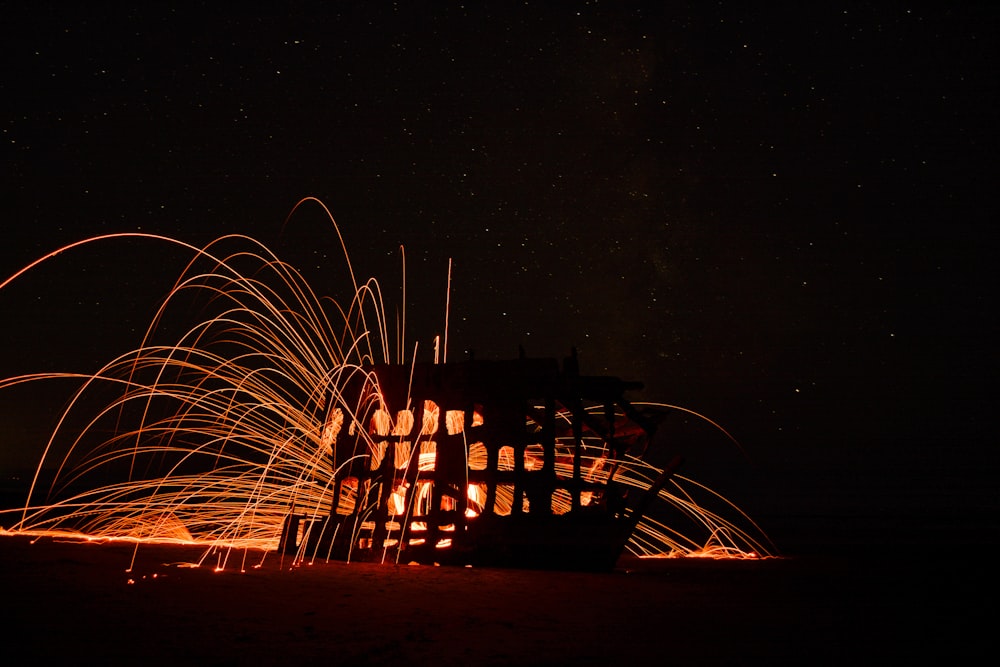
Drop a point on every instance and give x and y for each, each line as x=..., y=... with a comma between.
x=269, y=418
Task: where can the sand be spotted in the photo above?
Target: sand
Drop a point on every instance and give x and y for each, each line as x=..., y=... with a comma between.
x=78, y=603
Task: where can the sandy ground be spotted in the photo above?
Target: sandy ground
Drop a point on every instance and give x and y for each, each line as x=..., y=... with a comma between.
x=78, y=603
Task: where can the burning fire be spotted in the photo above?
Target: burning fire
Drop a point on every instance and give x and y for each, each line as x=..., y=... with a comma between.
x=218, y=432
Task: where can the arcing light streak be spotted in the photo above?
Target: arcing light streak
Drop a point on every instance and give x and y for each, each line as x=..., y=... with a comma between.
x=216, y=434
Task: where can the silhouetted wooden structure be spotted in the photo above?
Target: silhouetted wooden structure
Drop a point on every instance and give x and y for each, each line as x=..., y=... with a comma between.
x=500, y=463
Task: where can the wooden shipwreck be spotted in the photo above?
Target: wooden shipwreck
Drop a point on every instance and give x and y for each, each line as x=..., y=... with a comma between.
x=494, y=463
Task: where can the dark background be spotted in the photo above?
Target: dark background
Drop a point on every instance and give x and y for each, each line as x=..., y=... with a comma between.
x=778, y=216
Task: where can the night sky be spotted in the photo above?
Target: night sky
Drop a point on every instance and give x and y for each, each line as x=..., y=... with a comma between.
x=778, y=216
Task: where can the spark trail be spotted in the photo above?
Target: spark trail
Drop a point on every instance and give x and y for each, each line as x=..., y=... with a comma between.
x=215, y=434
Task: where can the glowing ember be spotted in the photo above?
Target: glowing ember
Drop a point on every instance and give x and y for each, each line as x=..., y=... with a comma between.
x=278, y=420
